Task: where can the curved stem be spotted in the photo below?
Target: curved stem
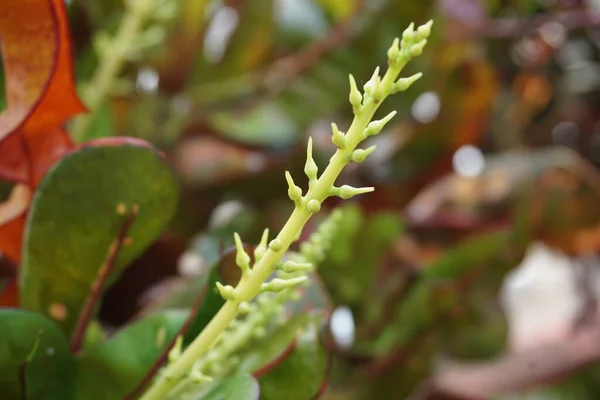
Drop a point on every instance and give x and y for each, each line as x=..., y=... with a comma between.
x=91, y=302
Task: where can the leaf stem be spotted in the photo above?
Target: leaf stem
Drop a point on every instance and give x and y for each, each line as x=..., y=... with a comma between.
x=88, y=309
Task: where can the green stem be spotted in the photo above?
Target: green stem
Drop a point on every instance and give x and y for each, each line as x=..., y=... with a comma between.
x=110, y=65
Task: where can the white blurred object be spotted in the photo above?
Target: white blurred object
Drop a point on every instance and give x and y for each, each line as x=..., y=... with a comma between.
x=147, y=80
x=224, y=213
x=426, y=107
x=342, y=326
x=540, y=297
x=191, y=264
x=468, y=161
x=218, y=33
x=593, y=5
x=302, y=16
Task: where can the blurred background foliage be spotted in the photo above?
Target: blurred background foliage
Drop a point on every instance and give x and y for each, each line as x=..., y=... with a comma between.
x=494, y=150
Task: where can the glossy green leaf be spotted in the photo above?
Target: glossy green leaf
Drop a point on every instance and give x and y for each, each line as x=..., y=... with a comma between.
x=76, y=216
x=113, y=369
x=302, y=373
x=35, y=363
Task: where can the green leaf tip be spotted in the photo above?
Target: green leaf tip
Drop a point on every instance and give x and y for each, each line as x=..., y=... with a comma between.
x=242, y=259
x=291, y=267
x=226, y=291
x=278, y=284
x=371, y=85
x=346, y=192
x=404, y=83
x=310, y=168
x=175, y=352
x=355, y=96
x=375, y=127
x=294, y=192
x=260, y=250
x=338, y=137
x=360, y=155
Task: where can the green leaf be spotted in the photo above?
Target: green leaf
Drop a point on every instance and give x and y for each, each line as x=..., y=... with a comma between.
x=35, y=362
x=300, y=375
x=113, y=369
x=76, y=216
x=238, y=387
x=352, y=265
x=466, y=255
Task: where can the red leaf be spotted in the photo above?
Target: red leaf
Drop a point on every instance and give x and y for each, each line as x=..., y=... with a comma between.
x=10, y=295
x=41, y=96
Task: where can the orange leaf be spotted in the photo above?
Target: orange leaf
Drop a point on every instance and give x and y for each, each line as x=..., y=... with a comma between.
x=40, y=96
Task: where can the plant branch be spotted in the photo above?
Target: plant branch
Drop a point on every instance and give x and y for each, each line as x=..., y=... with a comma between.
x=320, y=188
x=165, y=354
x=88, y=309
x=112, y=53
